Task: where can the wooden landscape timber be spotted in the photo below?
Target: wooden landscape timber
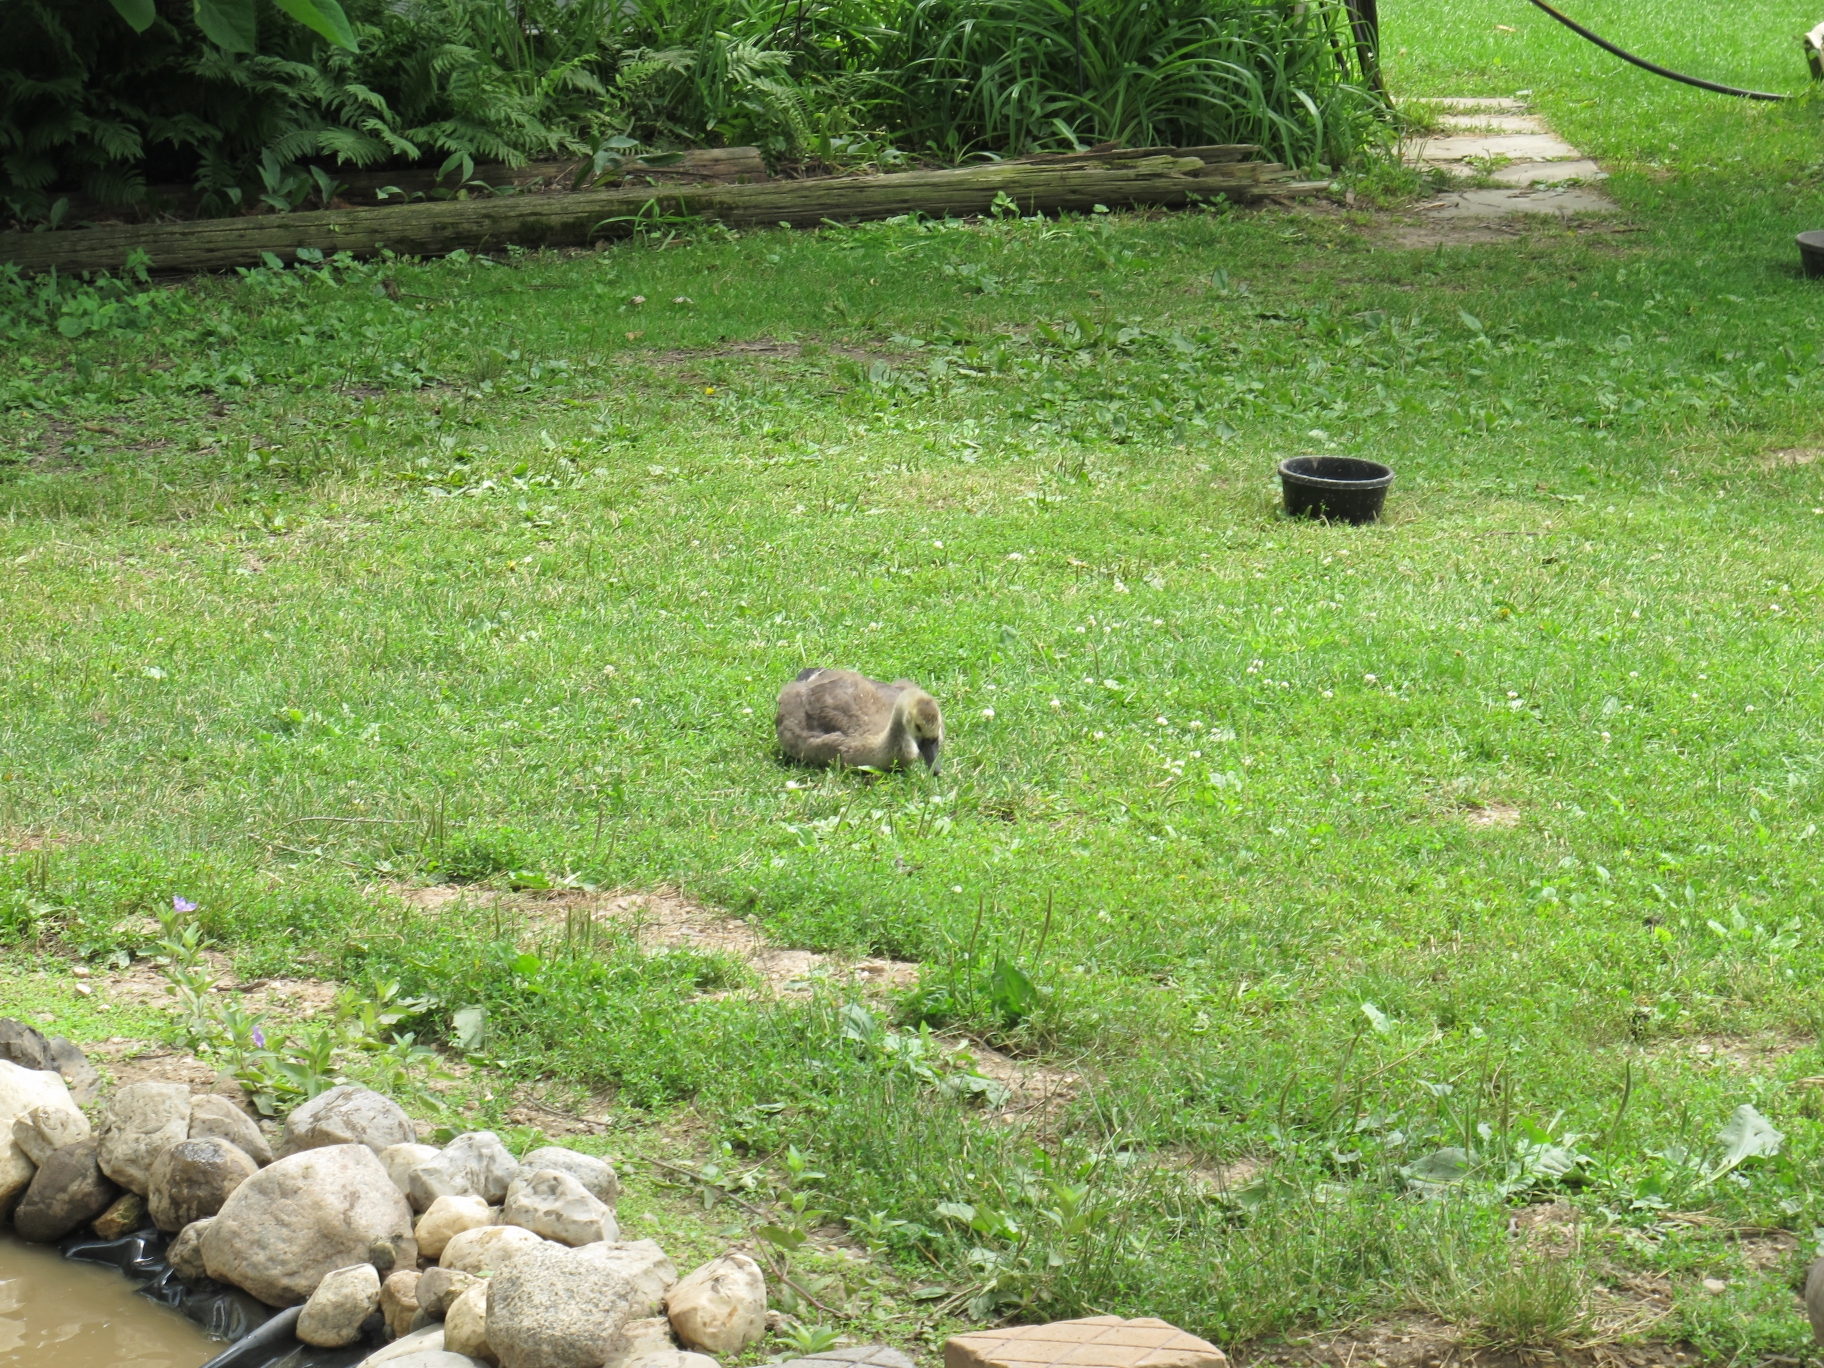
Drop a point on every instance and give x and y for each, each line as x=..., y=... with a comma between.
x=1073, y=182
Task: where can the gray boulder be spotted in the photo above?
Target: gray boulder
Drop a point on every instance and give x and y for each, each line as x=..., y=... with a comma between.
x=42, y=1131
x=294, y=1222
x=430, y=1358
x=427, y=1340
x=554, y=1308
x=191, y=1180
x=69, y=1060
x=640, y=1339
x=68, y=1191
x=332, y=1316
x=138, y=1124
x=185, y=1254
x=439, y=1288
x=21, y=1091
x=472, y=1165
x=558, y=1207
x=25, y=1045
x=643, y=1264
x=213, y=1117
x=400, y=1160
x=488, y=1249
x=597, y=1175
x=346, y=1115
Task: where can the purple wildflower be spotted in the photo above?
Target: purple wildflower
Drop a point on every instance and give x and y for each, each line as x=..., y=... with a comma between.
x=180, y=904
x=259, y=1037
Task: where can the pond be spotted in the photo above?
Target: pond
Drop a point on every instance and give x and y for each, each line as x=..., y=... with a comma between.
x=59, y=1314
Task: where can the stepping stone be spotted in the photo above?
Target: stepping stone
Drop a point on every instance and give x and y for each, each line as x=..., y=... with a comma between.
x=1560, y=201
x=1459, y=102
x=1094, y=1342
x=1496, y=123
x=1514, y=146
x=858, y=1356
x=1548, y=173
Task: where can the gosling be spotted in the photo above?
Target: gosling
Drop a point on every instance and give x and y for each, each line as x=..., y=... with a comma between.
x=839, y=717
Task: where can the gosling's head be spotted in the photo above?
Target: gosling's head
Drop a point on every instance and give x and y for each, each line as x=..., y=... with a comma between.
x=924, y=724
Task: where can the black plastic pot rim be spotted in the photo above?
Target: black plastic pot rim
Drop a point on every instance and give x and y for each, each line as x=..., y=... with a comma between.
x=1322, y=482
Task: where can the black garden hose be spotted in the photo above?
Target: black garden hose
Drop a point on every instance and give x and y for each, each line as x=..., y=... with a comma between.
x=1654, y=67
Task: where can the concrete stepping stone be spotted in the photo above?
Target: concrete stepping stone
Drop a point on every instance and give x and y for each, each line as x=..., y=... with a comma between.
x=856, y=1356
x=1535, y=147
x=1537, y=162
x=1496, y=123
x=1548, y=173
x=1093, y=1342
x=1560, y=201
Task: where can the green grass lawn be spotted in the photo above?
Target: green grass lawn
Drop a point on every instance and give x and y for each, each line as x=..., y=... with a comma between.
x=1492, y=829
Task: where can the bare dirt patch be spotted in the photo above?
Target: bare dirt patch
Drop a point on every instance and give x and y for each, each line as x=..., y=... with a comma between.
x=1748, y=1054
x=1493, y=813
x=1788, y=457
x=1035, y=1092
x=664, y=918
x=1425, y=1341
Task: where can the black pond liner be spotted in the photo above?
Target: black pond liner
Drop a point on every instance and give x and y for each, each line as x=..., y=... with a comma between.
x=1343, y=488
x=260, y=1337
x=1811, y=253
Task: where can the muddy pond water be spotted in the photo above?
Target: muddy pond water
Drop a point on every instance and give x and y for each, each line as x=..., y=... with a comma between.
x=59, y=1314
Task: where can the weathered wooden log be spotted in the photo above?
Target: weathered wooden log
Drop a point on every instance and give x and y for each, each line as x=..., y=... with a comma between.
x=576, y=219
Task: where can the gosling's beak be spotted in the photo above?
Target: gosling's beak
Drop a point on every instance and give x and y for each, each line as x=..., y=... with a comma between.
x=927, y=751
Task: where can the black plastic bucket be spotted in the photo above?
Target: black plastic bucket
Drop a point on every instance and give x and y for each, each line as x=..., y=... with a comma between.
x=1343, y=488
x=1811, y=253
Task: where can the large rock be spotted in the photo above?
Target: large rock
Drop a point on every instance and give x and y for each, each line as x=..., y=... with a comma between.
x=399, y=1300
x=640, y=1339
x=346, y=1115
x=429, y=1358
x=472, y=1165
x=185, y=1253
x=447, y=1218
x=126, y=1216
x=439, y=1288
x=721, y=1307
x=21, y=1091
x=42, y=1131
x=213, y=1117
x=191, y=1180
x=428, y=1340
x=555, y=1308
x=400, y=1160
x=597, y=1175
x=138, y=1124
x=68, y=1191
x=465, y=1325
x=333, y=1315
x=670, y=1358
x=643, y=1264
x=488, y=1250
x=293, y=1223
x=25, y=1045
x=78, y=1074
x=558, y=1207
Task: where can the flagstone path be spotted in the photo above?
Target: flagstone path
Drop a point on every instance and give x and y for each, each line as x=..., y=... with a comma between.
x=1533, y=169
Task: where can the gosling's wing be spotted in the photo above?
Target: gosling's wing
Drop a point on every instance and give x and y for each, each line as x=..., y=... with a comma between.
x=845, y=703
x=801, y=736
